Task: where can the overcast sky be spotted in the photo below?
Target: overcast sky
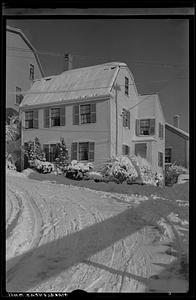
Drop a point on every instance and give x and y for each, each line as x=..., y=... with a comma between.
x=155, y=50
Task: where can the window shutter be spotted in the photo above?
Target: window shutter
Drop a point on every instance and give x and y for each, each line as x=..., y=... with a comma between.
x=128, y=118
x=93, y=113
x=160, y=130
x=152, y=126
x=46, y=150
x=123, y=149
x=62, y=116
x=46, y=118
x=137, y=127
x=74, y=151
x=124, y=117
x=35, y=118
x=91, y=151
x=76, y=115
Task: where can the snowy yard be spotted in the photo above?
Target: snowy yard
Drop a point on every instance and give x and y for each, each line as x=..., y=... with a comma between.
x=61, y=237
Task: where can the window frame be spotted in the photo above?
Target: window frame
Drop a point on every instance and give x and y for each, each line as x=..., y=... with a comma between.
x=126, y=86
x=29, y=120
x=50, y=116
x=85, y=114
x=161, y=131
x=126, y=118
x=50, y=154
x=149, y=127
x=90, y=154
x=125, y=149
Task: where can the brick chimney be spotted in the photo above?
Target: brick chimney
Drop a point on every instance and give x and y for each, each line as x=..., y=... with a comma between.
x=176, y=121
x=68, y=62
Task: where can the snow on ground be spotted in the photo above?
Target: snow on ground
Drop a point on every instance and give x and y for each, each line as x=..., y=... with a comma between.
x=61, y=238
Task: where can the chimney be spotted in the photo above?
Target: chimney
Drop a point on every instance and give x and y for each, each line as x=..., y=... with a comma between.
x=176, y=121
x=68, y=62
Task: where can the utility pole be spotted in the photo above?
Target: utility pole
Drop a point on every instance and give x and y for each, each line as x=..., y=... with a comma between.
x=68, y=62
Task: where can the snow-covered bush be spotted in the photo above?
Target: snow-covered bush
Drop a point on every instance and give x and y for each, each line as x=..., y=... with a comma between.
x=172, y=172
x=120, y=169
x=147, y=176
x=9, y=163
x=34, y=151
x=96, y=176
x=42, y=166
x=77, y=170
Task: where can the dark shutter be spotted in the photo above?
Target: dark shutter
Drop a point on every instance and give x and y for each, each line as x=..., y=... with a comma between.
x=46, y=118
x=93, y=113
x=74, y=151
x=128, y=118
x=152, y=126
x=124, y=117
x=123, y=149
x=137, y=126
x=160, y=129
x=62, y=116
x=46, y=150
x=35, y=118
x=91, y=151
x=76, y=115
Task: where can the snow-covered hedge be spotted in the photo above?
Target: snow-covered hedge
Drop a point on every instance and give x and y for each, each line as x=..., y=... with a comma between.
x=120, y=169
x=172, y=172
x=77, y=170
x=42, y=166
x=10, y=165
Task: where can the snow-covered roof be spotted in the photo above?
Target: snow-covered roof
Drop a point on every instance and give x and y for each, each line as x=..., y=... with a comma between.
x=25, y=39
x=179, y=131
x=81, y=84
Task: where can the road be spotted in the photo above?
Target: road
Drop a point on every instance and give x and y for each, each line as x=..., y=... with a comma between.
x=60, y=238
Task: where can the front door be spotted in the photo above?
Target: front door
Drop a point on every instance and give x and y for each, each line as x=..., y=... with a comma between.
x=141, y=149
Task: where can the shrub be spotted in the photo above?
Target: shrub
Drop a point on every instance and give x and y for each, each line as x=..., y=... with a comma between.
x=172, y=172
x=77, y=170
x=120, y=169
x=34, y=151
x=42, y=166
x=9, y=162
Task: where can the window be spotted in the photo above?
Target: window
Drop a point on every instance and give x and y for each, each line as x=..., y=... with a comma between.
x=85, y=113
x=145, y=127
x=160, y=159
x=50, y=151
x=19, y=96
x=168, y=155
x=31, y=72
x=126, y=86
x=31, y=119
x=125, y=150
x=161, y=131
x=141, y=149
x=83, y=151
x=126, y=118
x=55, y=117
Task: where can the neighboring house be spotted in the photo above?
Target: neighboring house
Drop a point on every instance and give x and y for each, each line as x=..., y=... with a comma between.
x=22, y=66
x=176, y=146
x=90, y=108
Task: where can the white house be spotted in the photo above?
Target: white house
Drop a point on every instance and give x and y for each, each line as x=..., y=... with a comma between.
x=22, y=66
x=98, y=112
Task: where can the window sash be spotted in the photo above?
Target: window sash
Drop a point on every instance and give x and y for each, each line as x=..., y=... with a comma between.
x=83, y=151
x=50, y=151
x=168, y=154
x=147, y=127
x=55, y=116
x=85, y=113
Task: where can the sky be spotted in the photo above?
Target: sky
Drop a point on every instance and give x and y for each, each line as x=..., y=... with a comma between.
x=155, y=50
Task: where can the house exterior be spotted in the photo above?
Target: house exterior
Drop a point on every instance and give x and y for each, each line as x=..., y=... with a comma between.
x=176, y=146
x=97, y=111
x=22, y=66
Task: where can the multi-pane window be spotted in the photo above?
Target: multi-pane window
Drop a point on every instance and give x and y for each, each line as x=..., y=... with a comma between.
x=83, y=151
x=161, y=131
x=125, y=150
x=126, y=86
x=19, y=96
x=145, y=127
x=29, y=119
x=85, y=113
x=50, y=151
x=31, y=72
x=55, y=116
x=126, y=118
x=168, y=155
x=160, y=159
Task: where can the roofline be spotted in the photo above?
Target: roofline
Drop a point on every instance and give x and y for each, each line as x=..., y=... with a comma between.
x=177, y=130
x=64, y=102
x=25, y=39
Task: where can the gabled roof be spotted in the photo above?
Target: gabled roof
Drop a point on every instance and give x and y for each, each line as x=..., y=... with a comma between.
x=178, y=131
x=76, y=84
x=151, y=96
x=25, y=39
